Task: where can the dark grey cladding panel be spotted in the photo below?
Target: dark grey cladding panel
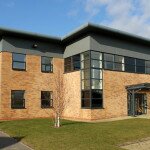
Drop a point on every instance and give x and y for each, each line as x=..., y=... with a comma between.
x=77, y=47
x=13, y=44
x=119, y=46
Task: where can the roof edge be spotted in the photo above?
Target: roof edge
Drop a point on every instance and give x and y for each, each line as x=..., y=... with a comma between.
x=4, y=30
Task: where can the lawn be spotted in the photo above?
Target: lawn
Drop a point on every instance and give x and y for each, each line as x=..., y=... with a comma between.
x=41, y=135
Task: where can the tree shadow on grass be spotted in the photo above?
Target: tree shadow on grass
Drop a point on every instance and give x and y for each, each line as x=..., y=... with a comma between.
x=9, y=141
x=73, y=123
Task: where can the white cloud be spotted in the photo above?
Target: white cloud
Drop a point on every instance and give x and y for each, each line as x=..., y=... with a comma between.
x=128, y=15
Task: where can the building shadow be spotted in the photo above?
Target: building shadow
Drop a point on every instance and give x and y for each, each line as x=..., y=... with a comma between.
x=9, y=141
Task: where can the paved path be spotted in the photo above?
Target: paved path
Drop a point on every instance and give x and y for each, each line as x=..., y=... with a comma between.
x=8, y=143
x=140, y=145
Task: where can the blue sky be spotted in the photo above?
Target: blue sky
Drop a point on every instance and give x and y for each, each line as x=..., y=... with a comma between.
x=59, y=17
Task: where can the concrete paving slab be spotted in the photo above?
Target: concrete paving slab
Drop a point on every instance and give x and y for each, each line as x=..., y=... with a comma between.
x=9, y=143
x=143, y=144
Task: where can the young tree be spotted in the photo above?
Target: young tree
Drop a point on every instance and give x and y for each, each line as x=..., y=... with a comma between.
x=60, y=102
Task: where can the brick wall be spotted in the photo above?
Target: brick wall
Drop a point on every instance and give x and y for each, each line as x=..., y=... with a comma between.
x=33, y=81
x=115, y=95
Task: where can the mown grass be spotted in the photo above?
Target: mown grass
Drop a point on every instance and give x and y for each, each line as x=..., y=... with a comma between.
x=41, y=135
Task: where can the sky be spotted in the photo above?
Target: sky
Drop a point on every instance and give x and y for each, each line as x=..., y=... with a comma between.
x=59, y=17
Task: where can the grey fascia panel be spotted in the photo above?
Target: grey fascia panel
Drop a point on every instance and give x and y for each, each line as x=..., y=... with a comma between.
x=77, y=47
x=114, y=46
x=25, y=46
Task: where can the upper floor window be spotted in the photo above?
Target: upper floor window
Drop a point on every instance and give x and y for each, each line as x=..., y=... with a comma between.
x=17, y=99
x=130, y=64
x=140, y=66
x=47, y=64
x=18, y=61
x=147, y=66
x=108, y=61
x=46, y=99
x=72, y=63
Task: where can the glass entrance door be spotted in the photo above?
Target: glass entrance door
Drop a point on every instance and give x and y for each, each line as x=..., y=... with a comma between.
x=139, y=104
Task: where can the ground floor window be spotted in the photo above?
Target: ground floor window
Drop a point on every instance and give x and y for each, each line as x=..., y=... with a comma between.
x=46, y=99
x=17, y=99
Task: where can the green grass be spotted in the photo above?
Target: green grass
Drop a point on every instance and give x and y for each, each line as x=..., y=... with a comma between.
x=41, y=135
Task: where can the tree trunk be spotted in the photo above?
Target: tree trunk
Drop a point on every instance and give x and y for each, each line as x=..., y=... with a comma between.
x=57, y=120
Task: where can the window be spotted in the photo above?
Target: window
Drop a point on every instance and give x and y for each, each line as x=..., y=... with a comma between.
x=68, y=64
x=119, y=63
x=18, y=61
x=97, y=98
x=76, y=62
x=91, y=75
x=140, y=66
x=108, y=61
x=47, y=64
x=72, y=63
x=147, y=65
x=46, y=99
x=129, y=64
x=17, y=99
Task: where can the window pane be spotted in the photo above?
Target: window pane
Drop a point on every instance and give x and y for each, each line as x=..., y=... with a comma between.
x=140, y=62
x=76, y=66
x=67, y=68
x=45, y=95
x=46, y=60
x=17, y=99
x=148, y=70
x=129, y=68
x=109, y=57
x=76, y=58
x=85, y=64
x=68, y=61
x=96, y=55
x=129, y=61
x=85, y=84
x=108, y=65
x=85, y=74
x=96, y=84
x=46, y=99
x=119, y=67
x=85, y=102
x=17, y=94
x=96, y=64
x=147, y=63
x=19, y=65
x=95, y=73
x=97, y=94
x=19, y=57
x=97, y=103
x=86, y=94
x=119, y=59
x=140, y=69
x=85, y=55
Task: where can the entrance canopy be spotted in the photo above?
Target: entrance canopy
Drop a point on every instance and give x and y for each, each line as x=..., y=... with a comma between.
x=133, y=100
x=142, y=86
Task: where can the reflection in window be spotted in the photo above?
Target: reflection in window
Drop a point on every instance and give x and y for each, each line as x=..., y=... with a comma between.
x=18, y=61
x=47, y=64
x=72, y=63
x=46, y=99
x=17, y=99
